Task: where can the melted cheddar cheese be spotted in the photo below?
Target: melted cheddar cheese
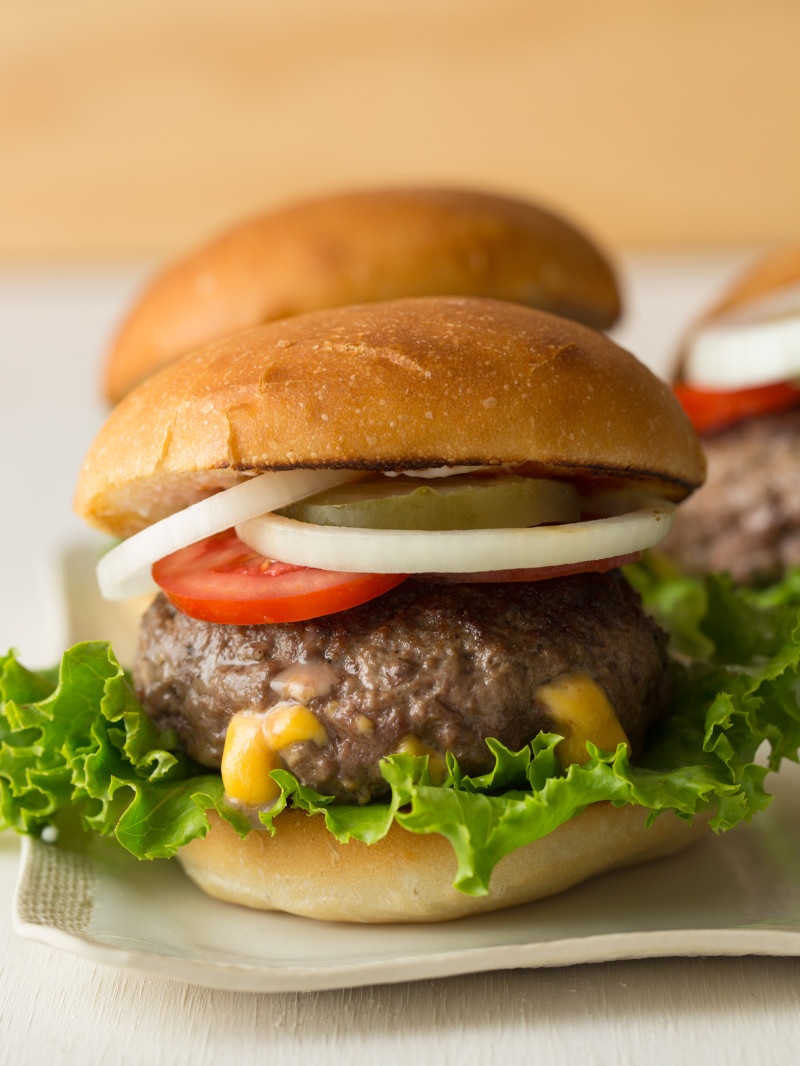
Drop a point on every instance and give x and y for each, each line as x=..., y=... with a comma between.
x=581, y=712
x=252, y=746
x=437, y=765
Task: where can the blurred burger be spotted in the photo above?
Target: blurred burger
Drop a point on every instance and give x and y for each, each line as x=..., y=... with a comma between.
x=738, y=381
x=394, y=672
x=356, y=248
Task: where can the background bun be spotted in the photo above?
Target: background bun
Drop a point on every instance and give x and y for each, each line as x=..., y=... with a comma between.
x=408, y=877
x=356, y=248
x=775, y=270
x=402, y=384
x=772, y=279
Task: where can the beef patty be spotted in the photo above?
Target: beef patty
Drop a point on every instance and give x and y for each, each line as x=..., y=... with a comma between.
x=746, y=518
x=447, y=664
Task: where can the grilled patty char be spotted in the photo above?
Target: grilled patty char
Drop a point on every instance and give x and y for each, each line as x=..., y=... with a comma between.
x=447, y=664
x=746, y=518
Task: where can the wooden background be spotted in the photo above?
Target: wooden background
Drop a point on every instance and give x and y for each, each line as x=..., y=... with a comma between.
x=136, y=128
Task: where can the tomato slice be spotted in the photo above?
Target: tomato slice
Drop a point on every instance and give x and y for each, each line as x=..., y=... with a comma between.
x=539, y=573
x=714, y=410
x=220, y=579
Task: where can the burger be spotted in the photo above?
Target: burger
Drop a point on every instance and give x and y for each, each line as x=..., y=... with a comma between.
x=359, y=247
x=738, y=380
x=394, y=671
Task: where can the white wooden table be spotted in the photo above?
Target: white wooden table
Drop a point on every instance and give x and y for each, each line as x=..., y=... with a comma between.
x=55, y=1008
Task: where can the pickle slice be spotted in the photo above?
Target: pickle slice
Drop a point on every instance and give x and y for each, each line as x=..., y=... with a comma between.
x=458, y=502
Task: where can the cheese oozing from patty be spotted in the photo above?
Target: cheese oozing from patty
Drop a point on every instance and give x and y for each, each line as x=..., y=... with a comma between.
x=581, y=711
x=252, y=749
x=578, y=707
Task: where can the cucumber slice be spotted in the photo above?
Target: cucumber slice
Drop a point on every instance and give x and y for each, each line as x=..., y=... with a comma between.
x=507, y=501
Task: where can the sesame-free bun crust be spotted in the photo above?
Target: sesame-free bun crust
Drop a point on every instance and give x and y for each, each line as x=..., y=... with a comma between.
x=408, y=877
x=357, y=248
x=398, y=385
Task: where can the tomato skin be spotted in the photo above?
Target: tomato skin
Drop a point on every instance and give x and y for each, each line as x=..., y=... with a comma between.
x=221, y=580
x=709, y=410
x=540, y=573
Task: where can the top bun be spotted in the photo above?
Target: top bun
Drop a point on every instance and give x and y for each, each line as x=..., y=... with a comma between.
x=437, y=381
x=356, y=248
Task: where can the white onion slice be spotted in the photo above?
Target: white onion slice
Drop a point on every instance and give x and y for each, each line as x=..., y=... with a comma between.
x=757, y=344
x=390, y=551
x=125, y=570
x=432, y=472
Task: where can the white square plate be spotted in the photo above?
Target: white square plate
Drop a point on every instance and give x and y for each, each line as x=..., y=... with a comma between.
x=738, y=894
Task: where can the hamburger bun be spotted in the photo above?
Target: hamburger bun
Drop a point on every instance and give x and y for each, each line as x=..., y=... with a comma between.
x=361, y=247
x=409, y=877
x=404, y=384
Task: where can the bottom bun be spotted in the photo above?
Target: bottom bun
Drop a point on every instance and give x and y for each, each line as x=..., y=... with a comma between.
x=408, y=877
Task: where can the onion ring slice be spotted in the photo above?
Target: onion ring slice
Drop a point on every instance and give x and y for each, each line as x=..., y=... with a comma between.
x=125, y=570
x=755, y=344
x=387, y=551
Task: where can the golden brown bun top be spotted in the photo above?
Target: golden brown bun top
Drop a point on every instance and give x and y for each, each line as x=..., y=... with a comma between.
x=356, y=248
x=404, y=384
